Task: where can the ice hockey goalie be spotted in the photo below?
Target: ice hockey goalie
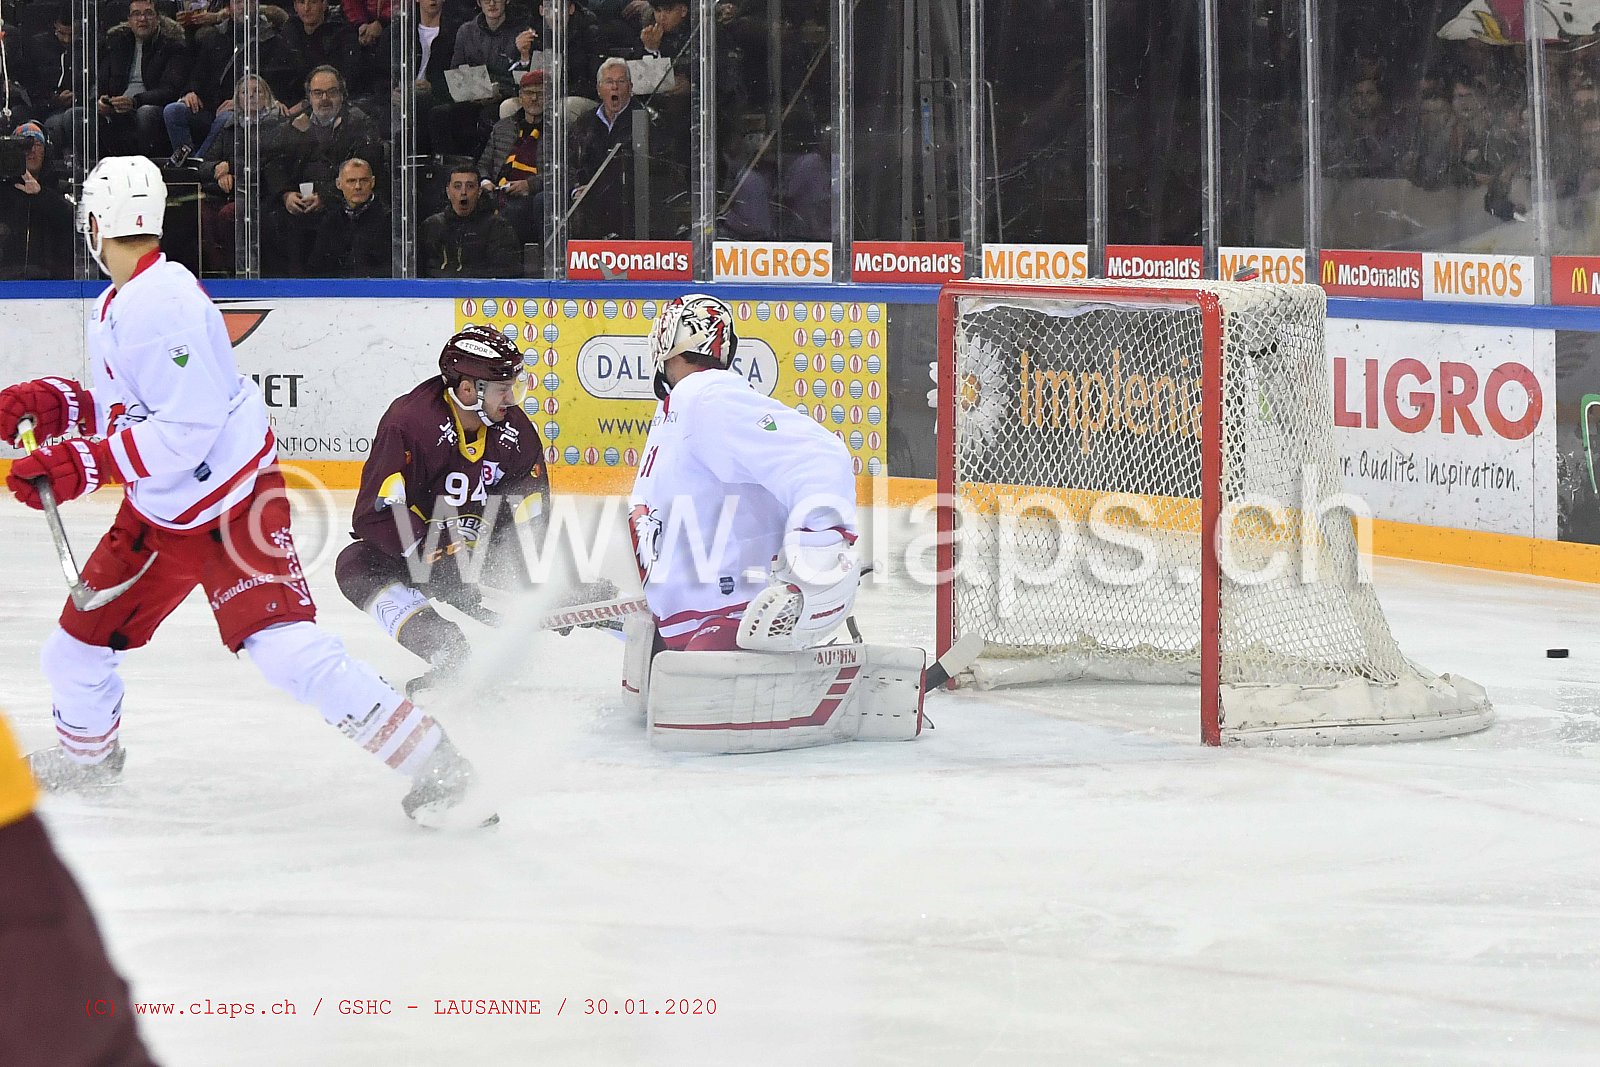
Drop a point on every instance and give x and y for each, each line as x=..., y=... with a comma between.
x=743, y=519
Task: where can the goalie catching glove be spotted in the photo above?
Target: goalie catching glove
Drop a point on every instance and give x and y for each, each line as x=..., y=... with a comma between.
x=812, y=589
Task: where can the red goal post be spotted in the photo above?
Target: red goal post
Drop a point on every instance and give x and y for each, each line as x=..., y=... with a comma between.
x=1189, y=423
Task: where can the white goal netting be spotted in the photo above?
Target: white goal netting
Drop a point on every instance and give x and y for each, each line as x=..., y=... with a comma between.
x=1077, y=465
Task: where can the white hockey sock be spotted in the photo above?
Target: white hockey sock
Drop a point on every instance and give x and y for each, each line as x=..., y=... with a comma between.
x=403, y=737
x=394, y=606
x=87, y=695
x=312, y=666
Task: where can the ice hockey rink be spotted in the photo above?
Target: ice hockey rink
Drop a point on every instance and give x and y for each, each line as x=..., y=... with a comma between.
x=1058, y=875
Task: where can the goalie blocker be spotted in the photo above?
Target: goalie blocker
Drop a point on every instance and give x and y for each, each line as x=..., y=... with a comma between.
x=766, y=701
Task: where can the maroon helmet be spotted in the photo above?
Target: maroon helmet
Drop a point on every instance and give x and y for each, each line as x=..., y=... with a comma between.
x=482, y=354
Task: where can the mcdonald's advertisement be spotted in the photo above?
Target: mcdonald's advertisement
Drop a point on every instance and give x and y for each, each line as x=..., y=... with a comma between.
x=1575, y=281
x=590, y=374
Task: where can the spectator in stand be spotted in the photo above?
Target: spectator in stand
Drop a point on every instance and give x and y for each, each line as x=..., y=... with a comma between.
x=218, y=65
x=510, y=162
x=489, y=41
x=1479, y=152
x=1426, y=162
x=218, y=163
x=196, y=15
x=144, y=66
x=742, y=41
x=1566, y=150
x=667, y=37
x=13, y=70
x=667, y=34
x=52, y=73
x=302, y=165
x=435, y=38
x=583, y=49
x=467, y=239
x=806, y=189
x=1363, y=141
x=369, y=18
x=314, y=41
x=617, y=24
x=748, y=207
x=36, y=218
x=1583, y=186
x=356, y=236
x=605, y=181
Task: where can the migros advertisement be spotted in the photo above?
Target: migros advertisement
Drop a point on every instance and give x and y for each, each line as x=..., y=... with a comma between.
x=590, y=375
x=1446, y=425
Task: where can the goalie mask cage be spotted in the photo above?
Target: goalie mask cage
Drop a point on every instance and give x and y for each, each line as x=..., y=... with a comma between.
x=1138, y=482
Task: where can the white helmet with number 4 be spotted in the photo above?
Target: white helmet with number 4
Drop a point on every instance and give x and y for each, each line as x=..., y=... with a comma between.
x=126, y=197
x=697, y=326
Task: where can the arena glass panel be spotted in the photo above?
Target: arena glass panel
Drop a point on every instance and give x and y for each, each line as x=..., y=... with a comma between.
x=323, y=154
x=1034, y=102
x=1425, y=141
x=774, y=106
x=46, y=138
x=1571, y=90
x=908, y=96
x=629, y=140
x=1261, y=136
x=1154, y=123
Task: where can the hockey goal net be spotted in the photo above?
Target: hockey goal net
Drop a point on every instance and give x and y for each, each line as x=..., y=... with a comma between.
x=1140, y=482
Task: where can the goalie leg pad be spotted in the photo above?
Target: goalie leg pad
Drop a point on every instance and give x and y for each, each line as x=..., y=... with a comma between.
x=764, y=702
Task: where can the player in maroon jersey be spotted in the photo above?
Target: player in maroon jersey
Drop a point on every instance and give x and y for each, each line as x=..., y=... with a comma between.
x=455, y=462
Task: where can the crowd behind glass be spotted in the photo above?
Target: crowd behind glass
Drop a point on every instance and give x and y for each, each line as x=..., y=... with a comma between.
x=333, y=133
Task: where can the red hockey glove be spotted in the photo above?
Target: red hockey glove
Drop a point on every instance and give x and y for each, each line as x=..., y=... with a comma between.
x=55, y=404
x=73, y=467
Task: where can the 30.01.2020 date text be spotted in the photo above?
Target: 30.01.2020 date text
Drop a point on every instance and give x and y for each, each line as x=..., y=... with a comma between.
x=641, y=1006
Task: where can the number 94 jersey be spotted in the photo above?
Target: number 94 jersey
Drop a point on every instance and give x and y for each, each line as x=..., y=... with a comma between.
x=426, y=467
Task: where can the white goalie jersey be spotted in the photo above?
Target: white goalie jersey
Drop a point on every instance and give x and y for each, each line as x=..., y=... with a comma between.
x=725, y=476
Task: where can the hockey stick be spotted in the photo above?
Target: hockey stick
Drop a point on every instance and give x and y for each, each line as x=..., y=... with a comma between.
x=84, y=596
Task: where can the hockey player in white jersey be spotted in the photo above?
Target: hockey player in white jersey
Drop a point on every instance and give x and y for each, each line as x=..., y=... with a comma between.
x=743, y=518
x=169, y=415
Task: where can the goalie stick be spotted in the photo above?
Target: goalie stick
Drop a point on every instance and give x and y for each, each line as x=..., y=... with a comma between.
x=84, y=596
x=603, y=614
x=957, y=658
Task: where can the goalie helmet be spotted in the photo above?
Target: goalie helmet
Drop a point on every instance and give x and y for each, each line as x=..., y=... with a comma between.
x=482, y=354
x=696, y=326
x=126, y=197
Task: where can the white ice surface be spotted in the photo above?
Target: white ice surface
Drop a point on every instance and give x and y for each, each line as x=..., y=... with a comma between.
x=1052, y=876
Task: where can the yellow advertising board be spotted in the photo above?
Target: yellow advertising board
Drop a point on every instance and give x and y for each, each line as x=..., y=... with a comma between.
x=590, y=393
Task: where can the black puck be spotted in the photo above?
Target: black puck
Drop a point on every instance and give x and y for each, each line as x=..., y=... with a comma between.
x=1555, y=653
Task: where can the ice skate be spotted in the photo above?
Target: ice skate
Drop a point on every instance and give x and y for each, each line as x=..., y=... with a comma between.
x=446, y=666
x=442, y=674
x=445, y=794
x=57, y=773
